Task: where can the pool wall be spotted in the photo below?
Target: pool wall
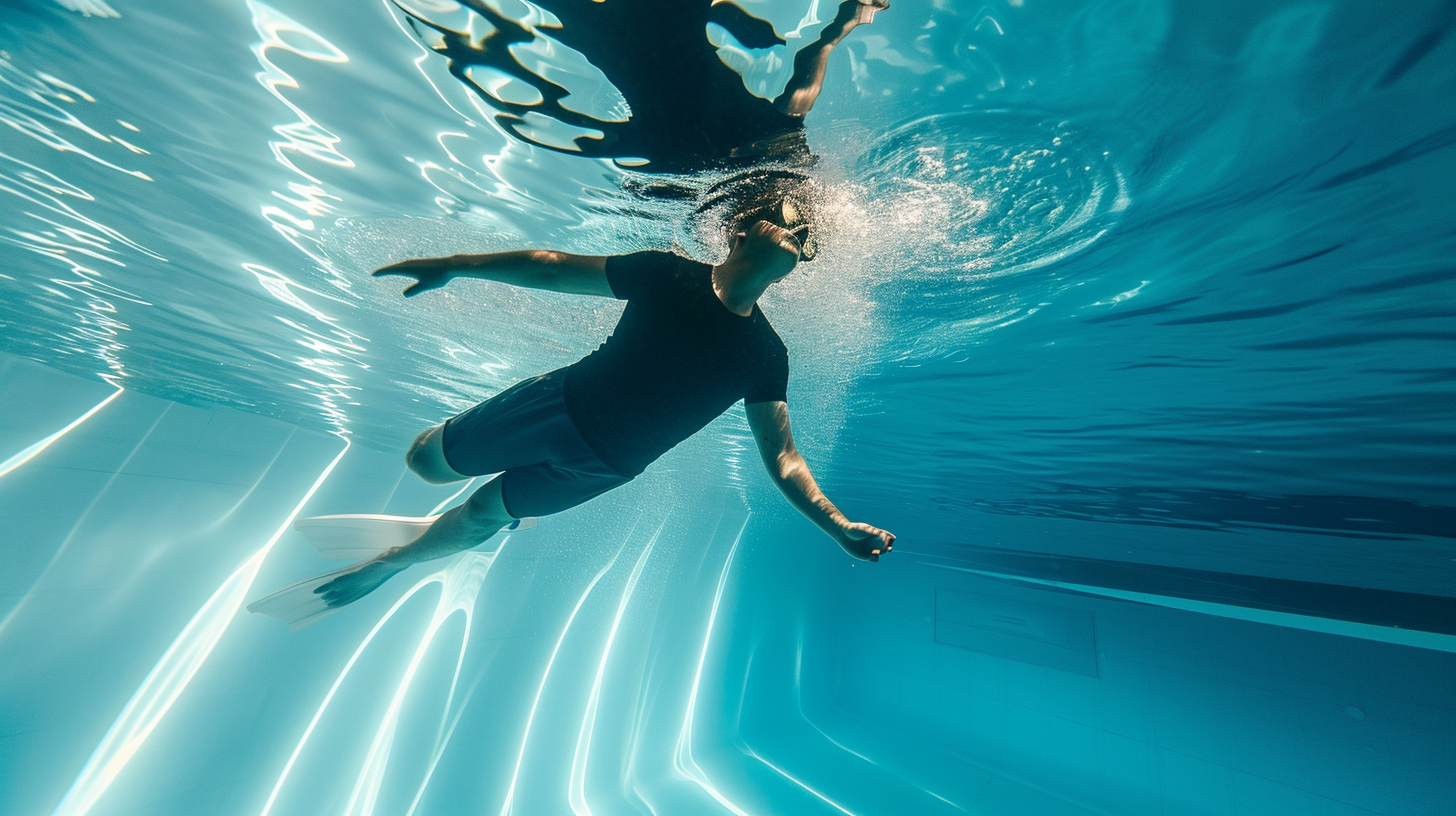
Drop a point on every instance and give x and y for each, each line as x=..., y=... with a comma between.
x=703, y=660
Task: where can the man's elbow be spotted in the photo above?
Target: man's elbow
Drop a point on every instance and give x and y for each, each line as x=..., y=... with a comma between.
x=545, y=268
x=789, y=468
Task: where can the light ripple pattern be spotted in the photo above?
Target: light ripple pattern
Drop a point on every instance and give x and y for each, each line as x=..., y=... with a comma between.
x=1121, y=291
x=173, y=672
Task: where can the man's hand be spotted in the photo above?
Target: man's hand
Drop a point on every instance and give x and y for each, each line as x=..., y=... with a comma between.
x=429, y=273
x=865, y=542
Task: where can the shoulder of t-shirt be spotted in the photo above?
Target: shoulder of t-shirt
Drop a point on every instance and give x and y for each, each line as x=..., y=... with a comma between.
x=655, y=258
x=637, y=260
x=683, y=275
x=638, y=272
x=771, y=379
x=686, y=264
x=770, y=338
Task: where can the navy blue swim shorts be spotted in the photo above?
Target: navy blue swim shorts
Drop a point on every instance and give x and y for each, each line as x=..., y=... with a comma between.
x=525, y=433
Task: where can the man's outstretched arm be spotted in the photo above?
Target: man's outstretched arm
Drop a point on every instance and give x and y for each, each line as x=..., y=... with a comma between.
x=529, y=268
x=769, y=422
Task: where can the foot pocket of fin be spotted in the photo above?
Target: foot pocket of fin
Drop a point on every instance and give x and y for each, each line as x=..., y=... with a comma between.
x=365, y=535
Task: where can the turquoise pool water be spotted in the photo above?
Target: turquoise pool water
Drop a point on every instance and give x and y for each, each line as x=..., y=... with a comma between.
x=1133, y=320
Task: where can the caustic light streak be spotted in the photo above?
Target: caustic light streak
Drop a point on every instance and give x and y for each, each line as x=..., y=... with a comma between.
x=443, y=740
x=460, y=584
x=841, y=746
x=799, y=703
x=525, y=737
x=222, y=519
x=785, y=774
x=169, y=678
x=576, y=792
x=34, y=450
x=442, y=505
x=55, y=558
x=683, y=760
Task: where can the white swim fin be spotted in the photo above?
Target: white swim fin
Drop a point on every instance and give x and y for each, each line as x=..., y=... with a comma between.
x=297, y=604
x=365, y=535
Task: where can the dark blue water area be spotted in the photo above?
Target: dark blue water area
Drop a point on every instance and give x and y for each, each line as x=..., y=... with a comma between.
x=1133, y=320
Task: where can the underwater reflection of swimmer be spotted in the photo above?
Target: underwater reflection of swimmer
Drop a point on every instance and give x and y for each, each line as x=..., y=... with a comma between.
x=691, y=342
x=688, y=110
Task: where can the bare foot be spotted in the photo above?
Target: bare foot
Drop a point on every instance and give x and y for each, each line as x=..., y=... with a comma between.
x=358, y=582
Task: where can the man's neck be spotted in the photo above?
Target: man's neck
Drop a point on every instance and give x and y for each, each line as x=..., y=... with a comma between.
x=736, y=286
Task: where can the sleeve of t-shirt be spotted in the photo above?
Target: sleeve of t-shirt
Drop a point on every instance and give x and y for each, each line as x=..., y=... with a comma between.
x=771, y=383
x=639, y=274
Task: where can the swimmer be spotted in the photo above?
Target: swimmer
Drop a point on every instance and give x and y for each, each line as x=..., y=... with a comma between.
x=691, y=343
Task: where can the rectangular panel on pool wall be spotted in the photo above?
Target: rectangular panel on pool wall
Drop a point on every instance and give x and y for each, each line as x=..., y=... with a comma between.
x=1042, y=634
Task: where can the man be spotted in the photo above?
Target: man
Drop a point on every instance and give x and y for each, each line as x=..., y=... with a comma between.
x=691, y=342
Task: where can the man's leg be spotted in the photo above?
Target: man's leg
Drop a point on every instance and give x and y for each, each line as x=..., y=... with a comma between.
x=426, y=457
x=459, y=528
x=813, y=60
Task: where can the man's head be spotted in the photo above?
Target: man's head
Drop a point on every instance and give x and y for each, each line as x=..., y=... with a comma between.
x=784, y=198
x=782, y=210
x=768, y=249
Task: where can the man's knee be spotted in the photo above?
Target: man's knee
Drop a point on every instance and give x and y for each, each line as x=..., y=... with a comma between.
x=426, y=457
x=485, y=510
x=414, y=456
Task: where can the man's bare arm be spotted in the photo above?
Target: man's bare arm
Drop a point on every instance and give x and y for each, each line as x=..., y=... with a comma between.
x=769, y=422
x=529, y=268
x=812, y=61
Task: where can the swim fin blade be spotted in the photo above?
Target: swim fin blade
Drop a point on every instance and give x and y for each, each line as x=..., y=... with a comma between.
x=359, y=536
x=364, y=535
x=298, y=605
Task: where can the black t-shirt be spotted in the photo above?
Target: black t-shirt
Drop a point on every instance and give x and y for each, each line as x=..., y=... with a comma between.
x=677, y=359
